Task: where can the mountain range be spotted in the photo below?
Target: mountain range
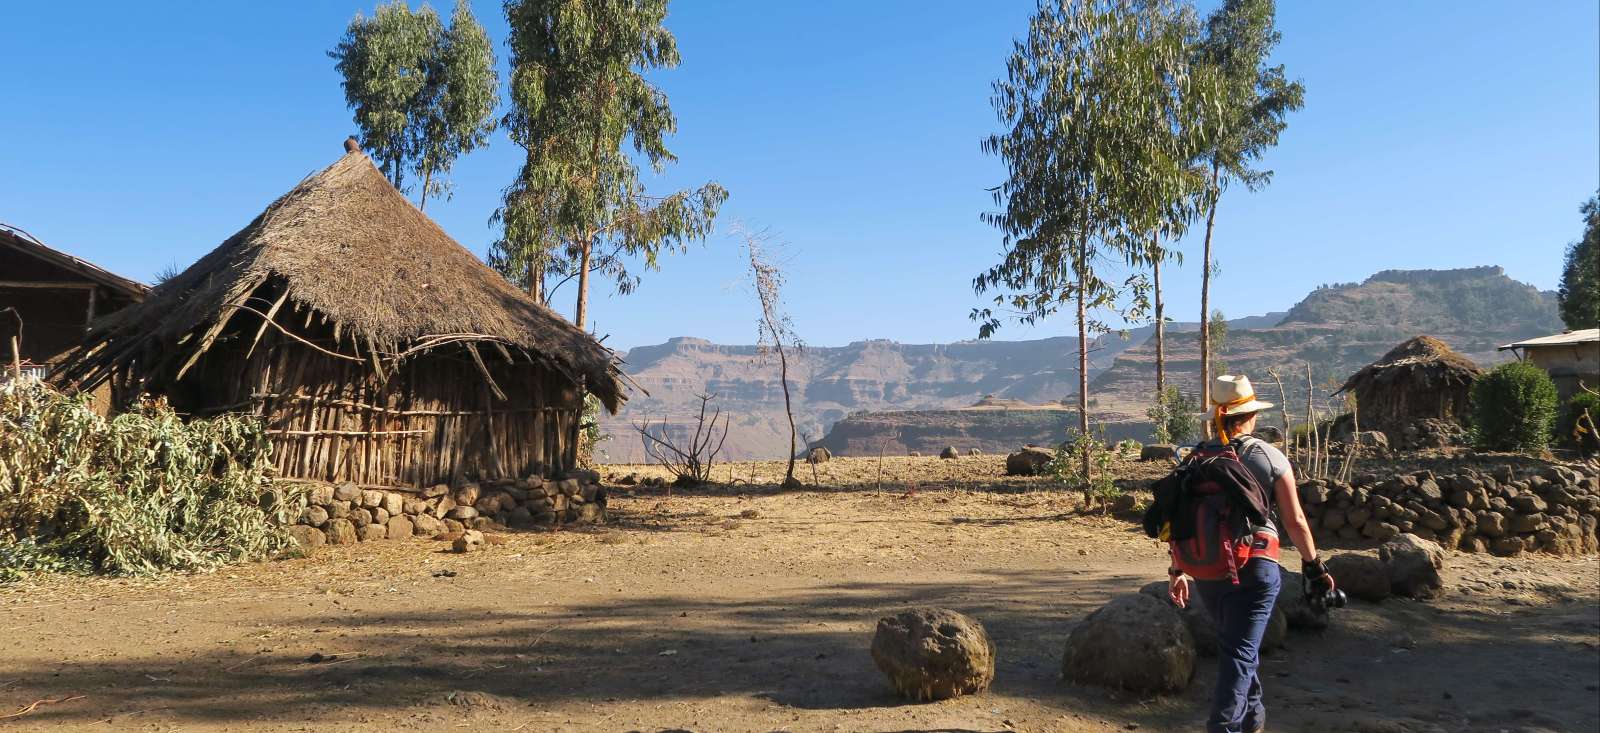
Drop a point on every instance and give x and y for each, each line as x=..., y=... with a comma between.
x=1335, y=330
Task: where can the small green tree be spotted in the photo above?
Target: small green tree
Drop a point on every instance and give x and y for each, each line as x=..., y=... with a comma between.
x=1219, y=340
x=423, y=94
x=1514, y=408
x=1579, y=296
x=1175, y=417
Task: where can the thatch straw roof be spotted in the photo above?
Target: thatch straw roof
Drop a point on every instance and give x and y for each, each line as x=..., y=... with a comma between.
x=1423, y=362
x=348, y=245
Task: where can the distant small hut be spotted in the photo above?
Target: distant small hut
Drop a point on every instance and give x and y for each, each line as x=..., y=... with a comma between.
x=1420, y=379
x=376, y=349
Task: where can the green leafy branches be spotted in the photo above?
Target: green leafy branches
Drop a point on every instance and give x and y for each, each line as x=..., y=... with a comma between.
x=579, y=100
x=423, y=94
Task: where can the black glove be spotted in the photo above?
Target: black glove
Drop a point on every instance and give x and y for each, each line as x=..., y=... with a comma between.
x=1319, y=582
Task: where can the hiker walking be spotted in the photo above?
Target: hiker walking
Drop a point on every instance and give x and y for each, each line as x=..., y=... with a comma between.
x=1216, y=512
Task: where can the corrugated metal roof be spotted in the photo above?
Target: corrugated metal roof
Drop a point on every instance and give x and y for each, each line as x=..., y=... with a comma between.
x=1570, y=338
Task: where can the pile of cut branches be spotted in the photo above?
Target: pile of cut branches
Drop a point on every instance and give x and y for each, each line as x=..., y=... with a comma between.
x=140, y=493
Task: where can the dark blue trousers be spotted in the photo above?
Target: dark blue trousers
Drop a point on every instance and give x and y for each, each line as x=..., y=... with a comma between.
x=1241, y=612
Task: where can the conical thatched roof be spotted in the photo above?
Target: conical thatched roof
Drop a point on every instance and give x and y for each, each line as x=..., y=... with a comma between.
x=348, y=245
x=1422, y=362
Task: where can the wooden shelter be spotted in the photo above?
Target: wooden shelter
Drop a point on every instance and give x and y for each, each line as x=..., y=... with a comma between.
x=1572, y=358
x=376, y=349
x=1419, y=379
x=48, y=298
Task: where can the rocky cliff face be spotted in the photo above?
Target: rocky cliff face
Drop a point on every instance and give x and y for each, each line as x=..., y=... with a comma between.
x=1335, y=329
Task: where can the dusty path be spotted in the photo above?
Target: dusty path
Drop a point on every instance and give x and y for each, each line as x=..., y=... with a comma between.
x=751, y=612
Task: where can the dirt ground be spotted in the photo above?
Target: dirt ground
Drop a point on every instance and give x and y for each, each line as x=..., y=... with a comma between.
x=747, y=608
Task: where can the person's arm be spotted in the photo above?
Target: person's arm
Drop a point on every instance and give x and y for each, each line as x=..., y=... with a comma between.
x=1294, y=517
x=1177, y=585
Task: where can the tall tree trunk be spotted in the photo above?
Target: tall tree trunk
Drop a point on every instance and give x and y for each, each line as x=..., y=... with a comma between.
x=422, y=201
x=1205, y=299
x=1083, y=361
x=1161, y=325
x=783, y=378
x=535, y=280
x=583, y=283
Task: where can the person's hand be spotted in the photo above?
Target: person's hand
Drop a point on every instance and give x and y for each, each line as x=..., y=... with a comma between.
x=1178, y=589
x=1319, y=582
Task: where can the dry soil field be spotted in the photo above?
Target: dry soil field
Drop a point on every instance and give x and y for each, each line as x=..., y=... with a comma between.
x=746, y=608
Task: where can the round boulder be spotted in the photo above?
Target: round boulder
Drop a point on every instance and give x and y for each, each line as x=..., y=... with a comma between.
x=1158, y=452
x=949, y=452
x=306, y=536
x=1360, y=574
x=1413, y=565
x=468, y=541
x=934, y=653
x=1298, y=613
x=1134, y=642
x=1203, y=628
x=819, y=454
x=1029, y=461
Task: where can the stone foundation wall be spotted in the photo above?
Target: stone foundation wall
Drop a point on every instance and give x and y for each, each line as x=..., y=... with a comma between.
x=345, y=513
x=1554, y=509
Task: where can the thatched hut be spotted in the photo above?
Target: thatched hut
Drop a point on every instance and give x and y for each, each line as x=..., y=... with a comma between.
x=48, y=298
x=376, y=349
x=1420, y=379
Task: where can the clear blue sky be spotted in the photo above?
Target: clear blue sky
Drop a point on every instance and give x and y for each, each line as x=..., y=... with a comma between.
x=1435, y=134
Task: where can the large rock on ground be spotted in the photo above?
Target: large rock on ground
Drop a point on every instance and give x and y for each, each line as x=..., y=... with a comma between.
x=949, y=452
x=1413, y=565
x=340, y=532
x=1204, y=629
x=1134, y=642
x=1360, y=574
x=1158, y=452
x=1298, y=613
x=1029, y=461
x=305, y=536
x=934, y=653
x=400, y=528
x=819, y=454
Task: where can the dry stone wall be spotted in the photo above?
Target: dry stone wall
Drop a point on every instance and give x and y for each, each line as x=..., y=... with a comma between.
x=1503, y=510
x=344, y=513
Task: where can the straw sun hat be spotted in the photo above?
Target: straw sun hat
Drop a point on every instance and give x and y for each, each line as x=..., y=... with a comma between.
x=1234, y=395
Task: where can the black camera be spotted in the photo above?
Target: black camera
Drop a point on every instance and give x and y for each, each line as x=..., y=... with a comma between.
x=1334, y=598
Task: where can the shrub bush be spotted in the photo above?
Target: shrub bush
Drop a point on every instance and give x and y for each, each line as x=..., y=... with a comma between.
x=139, y=493
x=1514, y=408
x=1176, y=417
x=1567, y=430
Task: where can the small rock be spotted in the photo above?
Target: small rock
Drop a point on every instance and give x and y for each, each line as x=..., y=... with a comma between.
x=394, y=503
x=314, y=516
x=469, y=541
x=371, y=498
x=400, y=528
x=347, y=491
x=340, y=532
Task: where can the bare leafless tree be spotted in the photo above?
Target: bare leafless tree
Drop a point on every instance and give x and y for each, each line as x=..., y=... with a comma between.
x=691, y=464
x=777, y=331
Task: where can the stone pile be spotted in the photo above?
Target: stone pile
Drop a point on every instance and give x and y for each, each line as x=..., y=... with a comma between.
x=345, y=513
x=1503, y=510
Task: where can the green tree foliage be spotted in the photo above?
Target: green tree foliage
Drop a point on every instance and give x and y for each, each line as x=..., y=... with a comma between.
x=1580, y=277
x=1514, y=408
x=1253, y=101
x=1092, y=165
x=1218, y=326
x=423, y=94
x=579, y=97
x=1574, y=427
x=1175, y=416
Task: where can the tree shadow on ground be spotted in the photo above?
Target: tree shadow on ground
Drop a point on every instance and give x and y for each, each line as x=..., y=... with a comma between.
x=807, y=649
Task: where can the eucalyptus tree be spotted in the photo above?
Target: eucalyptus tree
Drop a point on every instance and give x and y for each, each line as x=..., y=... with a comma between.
x=1089, y=174
x=423, y=93
x=1249, y=115
x=579, y=97
x=1579, y=296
